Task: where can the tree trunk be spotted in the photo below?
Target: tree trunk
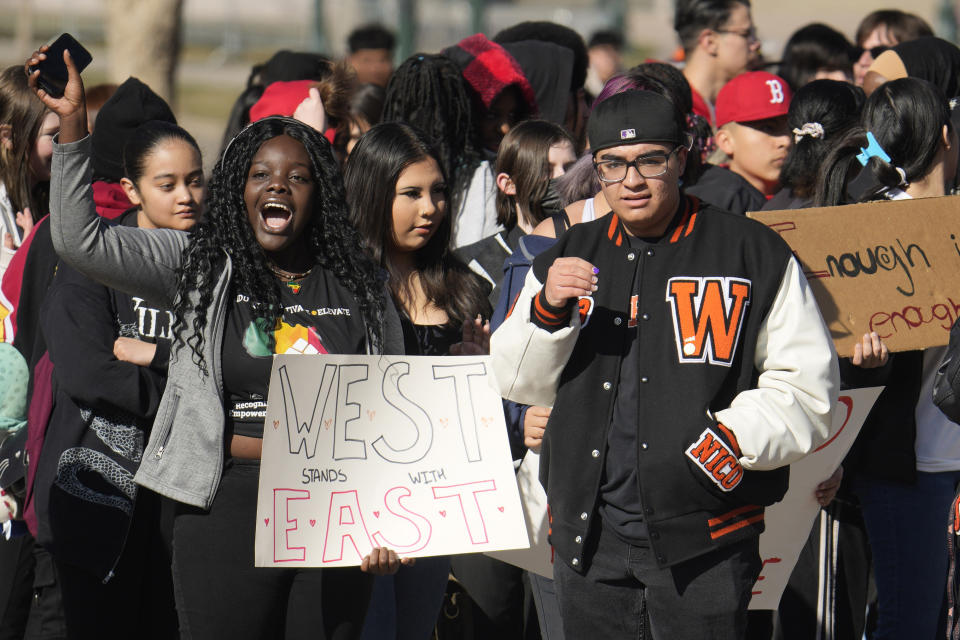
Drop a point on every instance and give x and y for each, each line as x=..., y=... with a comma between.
x=143, y=40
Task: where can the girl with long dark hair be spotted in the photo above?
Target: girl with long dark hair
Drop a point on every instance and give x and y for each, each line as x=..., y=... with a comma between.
x=399, y=201
x=27, y=128
x=114, y=572
x=821, y=113
x=275, y=240
x=906, y=460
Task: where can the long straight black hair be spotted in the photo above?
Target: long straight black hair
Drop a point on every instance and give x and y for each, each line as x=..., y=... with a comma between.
x=370, y=177
x=906, y=117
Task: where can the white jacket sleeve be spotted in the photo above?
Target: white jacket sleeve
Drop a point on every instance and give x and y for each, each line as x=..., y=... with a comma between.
x=528, y=360
x=788, y=414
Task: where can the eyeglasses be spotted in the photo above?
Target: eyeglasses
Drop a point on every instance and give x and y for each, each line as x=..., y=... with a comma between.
x=750, y=35
x=648, y=166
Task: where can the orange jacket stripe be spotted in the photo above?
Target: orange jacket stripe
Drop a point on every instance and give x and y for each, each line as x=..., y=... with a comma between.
x=731, y=514
x=734, y=527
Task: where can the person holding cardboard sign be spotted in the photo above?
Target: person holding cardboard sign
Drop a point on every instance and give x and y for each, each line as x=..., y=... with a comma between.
x=275, y=228
x=701, y=368
x=906, y=461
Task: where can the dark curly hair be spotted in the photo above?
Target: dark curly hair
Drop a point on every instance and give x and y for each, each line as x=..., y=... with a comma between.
x=225, y=229
x=371, y=175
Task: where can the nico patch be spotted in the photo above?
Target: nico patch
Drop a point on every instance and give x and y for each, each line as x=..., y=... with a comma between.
x=708, y=317
x=716, y=460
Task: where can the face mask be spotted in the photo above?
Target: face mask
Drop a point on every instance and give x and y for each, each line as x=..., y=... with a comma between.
x=551, y=202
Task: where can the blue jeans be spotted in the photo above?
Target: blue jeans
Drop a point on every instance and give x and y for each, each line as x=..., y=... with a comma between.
x=548, y=607
x=907, y=528
x=405, y=606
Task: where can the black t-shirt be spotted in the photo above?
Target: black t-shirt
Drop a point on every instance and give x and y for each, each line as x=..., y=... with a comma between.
x=429, y=339
x=620, y=505
x=319, y=316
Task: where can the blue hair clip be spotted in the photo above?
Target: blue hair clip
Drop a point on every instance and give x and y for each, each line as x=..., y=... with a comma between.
x=873, y=150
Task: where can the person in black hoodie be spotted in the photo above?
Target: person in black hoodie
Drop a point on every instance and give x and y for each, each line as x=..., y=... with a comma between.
x=110, y=352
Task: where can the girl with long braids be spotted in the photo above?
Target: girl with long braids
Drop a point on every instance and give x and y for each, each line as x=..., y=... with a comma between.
x=428, y=92
x=275, y=240
x=905, y=462
x=398, y=200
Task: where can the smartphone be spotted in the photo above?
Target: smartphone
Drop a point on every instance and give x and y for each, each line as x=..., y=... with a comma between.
x=53, y=71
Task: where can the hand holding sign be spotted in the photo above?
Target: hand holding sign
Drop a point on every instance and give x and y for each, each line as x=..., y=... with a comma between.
x=383, y=562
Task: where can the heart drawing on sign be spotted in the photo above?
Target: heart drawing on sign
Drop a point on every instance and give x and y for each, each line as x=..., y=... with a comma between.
x=486, y=421
x=326, y=423
x=370, y=414
x=444, y=422
x=376, y=514
x=500, y=509
x=266, y=522
x=276, y=424
x=313, y=522
x=443, y=513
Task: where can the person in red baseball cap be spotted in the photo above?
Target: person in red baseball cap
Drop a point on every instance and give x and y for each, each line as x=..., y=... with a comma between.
x=753, y=133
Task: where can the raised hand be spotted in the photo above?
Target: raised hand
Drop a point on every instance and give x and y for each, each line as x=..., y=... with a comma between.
x=476, y=339
x=570, y=278
x=311, y=111
x=25, y=221
x=72, y=107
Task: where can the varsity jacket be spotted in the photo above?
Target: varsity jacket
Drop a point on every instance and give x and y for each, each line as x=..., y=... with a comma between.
x=738, y=372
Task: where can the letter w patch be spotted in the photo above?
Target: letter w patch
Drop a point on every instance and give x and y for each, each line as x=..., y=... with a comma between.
x=708, y=316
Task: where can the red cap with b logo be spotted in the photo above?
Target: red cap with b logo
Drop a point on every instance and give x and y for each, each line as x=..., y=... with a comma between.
x=755, y=95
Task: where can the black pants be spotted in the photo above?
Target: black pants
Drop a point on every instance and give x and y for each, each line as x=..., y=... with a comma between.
x=138, y=599
x=30, y=603
x=701, y=599
x=220, y=594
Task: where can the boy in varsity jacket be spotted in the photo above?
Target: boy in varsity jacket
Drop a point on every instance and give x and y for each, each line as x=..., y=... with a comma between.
x=687, y=364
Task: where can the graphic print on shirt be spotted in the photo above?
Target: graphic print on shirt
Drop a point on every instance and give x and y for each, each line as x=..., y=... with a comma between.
x=261, y=339
x=151, y=323
x=708, y=316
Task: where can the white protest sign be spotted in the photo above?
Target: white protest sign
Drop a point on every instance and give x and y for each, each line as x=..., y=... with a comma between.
x=539, y=557
x=407, y=452
x=788, y=522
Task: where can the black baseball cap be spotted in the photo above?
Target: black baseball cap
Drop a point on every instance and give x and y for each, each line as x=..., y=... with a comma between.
x=631, y=117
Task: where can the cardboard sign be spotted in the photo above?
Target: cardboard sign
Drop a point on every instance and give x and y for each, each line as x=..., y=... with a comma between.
x=406, y=452
x=788, y=522
x=892, y=267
